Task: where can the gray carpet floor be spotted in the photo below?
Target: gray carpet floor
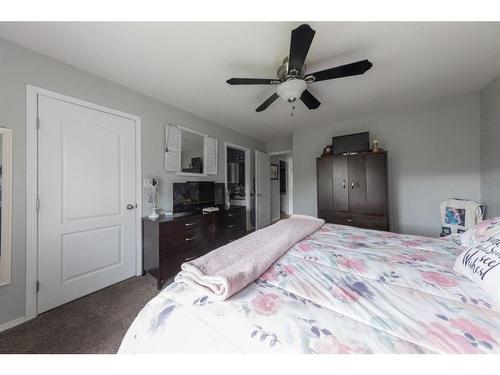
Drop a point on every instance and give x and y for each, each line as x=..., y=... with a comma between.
x=92, y=324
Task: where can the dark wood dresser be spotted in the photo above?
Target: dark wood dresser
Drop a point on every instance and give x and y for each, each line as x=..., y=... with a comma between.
x=352, y=190
x=172, y=240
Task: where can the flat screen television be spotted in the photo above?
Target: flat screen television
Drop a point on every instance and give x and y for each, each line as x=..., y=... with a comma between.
x=193, y=196
x=351, y=143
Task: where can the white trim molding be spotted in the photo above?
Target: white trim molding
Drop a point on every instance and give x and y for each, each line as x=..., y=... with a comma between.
x=280, y=152
x=247, y=176
x=12, y=323
x=289, y=161
x=6, y=230
x=32, y=93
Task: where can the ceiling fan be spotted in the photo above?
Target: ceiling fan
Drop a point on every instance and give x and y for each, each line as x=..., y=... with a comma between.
x=292, y=79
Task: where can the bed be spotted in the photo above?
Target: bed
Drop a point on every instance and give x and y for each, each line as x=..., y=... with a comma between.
x=340, y=290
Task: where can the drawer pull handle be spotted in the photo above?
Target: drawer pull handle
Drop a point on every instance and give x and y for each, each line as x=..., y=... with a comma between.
x=231, y=226
x=352, y=185
x=190, y=238
x=189, y=258
x=189, y=224
x=343, y=184
x=349, y=220
x=229, y=215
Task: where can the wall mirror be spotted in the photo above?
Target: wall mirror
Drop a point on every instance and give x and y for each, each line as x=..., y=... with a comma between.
x=5, y=204
x=189, y=153
x=192, y=152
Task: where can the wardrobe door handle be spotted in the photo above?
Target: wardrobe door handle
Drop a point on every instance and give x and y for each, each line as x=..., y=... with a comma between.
x=343, y=184
x=352, y=184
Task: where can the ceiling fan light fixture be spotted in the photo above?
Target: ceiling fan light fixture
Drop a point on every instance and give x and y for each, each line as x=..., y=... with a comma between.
x=291, y=90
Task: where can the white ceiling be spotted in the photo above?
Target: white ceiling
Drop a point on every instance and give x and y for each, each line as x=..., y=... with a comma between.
x=187, y=64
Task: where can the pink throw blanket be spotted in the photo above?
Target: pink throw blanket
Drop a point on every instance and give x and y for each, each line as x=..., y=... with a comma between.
x=228, y=269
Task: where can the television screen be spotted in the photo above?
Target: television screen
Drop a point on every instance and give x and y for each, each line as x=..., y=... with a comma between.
x=351, y=143
x=192, y=196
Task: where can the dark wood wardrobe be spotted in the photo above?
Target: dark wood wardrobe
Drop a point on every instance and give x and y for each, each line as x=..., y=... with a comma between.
x=352, y=190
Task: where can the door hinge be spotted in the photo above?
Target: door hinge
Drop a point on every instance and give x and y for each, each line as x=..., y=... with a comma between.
x=37, y=122
x=37, y=286
x=38, y=204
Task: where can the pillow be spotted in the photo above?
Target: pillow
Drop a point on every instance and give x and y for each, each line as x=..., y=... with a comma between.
x=481, y=232
x=480, y=264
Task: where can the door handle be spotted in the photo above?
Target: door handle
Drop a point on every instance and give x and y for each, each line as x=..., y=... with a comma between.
x=343, y=184
x=130, y=206
x=352, y=184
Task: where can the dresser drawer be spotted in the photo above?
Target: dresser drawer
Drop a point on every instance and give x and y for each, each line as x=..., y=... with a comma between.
x=327, y=216
x=230, y=226
x=360, y=221
x=191, y=239
x=231, y=215
x=229, y=236
x=172, y=263
x=233, y=223
x=183, y=224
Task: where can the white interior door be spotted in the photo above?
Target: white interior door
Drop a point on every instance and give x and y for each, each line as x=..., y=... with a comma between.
x=262, y=190
x=86, y=232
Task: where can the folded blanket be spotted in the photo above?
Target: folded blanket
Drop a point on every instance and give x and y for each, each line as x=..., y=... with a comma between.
x=228, y=269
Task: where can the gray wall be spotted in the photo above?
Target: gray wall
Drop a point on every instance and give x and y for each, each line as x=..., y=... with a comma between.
x=490, y=148
x=279, y=144
x=19, y=66
x=433, y=152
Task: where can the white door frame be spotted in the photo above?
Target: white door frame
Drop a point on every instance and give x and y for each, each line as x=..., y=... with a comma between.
x=256, y=197
x=247, y=176
x=32, y=93
x=289, y=162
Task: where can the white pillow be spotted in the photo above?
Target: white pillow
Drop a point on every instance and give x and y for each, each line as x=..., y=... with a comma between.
x=480, y=232
x=480, y=264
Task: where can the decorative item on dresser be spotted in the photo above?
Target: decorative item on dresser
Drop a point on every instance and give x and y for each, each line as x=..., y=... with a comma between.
x=327, y=151
x=352, y=190
x=173, y=240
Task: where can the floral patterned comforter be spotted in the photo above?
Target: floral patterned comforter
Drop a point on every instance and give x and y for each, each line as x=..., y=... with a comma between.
x=340, y=290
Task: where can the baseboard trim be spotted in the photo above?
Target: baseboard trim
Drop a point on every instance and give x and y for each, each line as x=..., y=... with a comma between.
x=12, y=323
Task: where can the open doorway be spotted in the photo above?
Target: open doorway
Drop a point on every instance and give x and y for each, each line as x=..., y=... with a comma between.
x=281, y=185
x=237, y=176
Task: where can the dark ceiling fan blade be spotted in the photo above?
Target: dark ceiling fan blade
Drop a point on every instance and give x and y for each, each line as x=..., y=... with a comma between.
x=347, y=70
x=309, y=100
x=302, y=38
x=267, y=103
x=252, y=81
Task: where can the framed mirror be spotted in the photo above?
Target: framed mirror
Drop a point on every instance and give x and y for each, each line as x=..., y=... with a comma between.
x=5, y=204
x=192, y=153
